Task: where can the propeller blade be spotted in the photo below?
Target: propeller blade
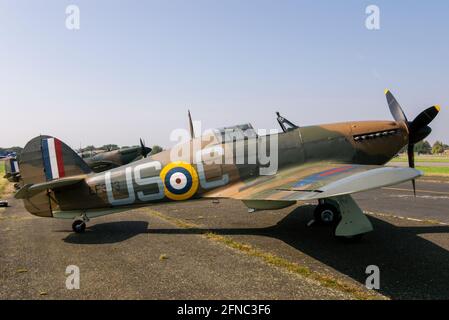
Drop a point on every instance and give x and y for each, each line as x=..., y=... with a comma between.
x=192, y=131
x=411, y=155
x=418, y=129
x=424, y=118
x=411, y=163
x=395, y=109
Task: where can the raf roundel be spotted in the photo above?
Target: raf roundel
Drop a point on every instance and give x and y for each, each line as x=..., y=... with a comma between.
x=180, y=180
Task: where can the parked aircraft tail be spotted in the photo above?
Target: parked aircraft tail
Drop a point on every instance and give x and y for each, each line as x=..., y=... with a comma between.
x=11, y=167
x=47, y=163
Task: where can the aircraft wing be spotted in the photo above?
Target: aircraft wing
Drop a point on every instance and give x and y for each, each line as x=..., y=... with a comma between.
x=316, y=181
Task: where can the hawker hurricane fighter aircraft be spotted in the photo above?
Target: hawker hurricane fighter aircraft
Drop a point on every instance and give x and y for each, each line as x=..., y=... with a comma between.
x=325, y=163
x=112, y=159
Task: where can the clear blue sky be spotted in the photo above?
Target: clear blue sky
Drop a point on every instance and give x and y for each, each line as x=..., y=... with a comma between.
x=134, y=67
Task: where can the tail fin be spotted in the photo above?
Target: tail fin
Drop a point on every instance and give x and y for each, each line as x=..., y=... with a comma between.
x=12, y=172
x=44, y=159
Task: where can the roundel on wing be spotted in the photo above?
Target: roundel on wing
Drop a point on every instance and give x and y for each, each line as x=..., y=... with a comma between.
x=180, y=180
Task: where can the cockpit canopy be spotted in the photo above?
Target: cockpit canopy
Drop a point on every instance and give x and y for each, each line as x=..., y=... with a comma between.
x=235, y=133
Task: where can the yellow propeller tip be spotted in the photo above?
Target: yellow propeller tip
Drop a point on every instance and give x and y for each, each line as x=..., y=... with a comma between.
x=438, y=107
x=386, y=91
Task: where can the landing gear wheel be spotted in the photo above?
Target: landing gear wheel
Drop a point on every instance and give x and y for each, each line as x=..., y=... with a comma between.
x=79, y=226
x=326, y=214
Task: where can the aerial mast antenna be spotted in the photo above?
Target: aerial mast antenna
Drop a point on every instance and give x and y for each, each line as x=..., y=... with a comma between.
x=192, y=131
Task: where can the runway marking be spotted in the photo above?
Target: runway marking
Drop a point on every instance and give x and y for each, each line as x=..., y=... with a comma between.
x=435, y=181
x=418, y=196
x=429, y=221
x=271, y=259
x=417, y=190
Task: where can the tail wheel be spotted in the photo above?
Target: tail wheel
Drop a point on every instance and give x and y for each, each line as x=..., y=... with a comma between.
x=79, y=226
x=327, y=214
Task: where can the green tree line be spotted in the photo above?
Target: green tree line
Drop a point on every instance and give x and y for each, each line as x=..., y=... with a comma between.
x=424, y=147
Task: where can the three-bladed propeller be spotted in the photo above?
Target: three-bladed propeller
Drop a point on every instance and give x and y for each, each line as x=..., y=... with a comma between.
x=418, y=129
x=145, y=151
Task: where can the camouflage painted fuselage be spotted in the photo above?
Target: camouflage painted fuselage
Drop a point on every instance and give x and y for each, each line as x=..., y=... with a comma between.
x=154, y=179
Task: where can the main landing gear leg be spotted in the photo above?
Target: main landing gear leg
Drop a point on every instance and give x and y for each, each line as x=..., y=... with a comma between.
x=353, y=223
x=79, y=225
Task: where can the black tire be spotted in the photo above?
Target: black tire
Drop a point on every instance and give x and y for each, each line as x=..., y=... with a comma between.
x=326, y=214
x=79, y=226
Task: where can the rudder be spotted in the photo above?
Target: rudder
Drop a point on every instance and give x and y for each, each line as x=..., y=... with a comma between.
x=46, y=158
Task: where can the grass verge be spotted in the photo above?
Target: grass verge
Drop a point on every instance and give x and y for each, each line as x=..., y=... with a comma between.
x=3, y=181
x=434, y=171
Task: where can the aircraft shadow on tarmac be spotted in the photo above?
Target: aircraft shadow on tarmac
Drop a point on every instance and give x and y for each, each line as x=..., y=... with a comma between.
x=411, y=267
x=111, y=232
